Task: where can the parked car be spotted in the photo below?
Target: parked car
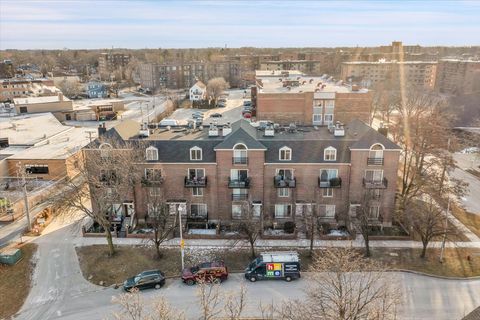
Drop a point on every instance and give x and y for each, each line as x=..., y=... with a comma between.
x=197, y=116
x=247, y=103
x=144, y=280
x=168, y=122
x=247, y=115
x=274, y=266
x=143, y=231
x=216, y=115
x=214, y=271
x=221, y=104
x=246, y=110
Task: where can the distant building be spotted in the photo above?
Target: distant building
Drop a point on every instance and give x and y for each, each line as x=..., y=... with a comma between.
x=458, y=76
x=109, y=62
x=292, y=97
x=198, y=91
x=60, y=106
x=413, y=73
x=24, y=87
x=309, y=67
x=96, y=89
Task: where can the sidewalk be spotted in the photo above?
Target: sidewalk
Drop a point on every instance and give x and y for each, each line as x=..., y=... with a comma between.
x=300, y=243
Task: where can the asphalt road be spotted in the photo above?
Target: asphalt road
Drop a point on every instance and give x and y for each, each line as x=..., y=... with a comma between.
x=471, y=201
x=60, y=292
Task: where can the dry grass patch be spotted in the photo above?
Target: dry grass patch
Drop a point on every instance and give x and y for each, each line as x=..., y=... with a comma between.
x=459, y=262
x=15, y=281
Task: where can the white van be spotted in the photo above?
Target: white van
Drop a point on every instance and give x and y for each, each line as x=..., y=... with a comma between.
x=168, y=122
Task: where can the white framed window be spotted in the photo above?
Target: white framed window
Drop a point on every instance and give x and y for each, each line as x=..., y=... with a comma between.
x=327, y=211
x=376, y=151
x=240, y=154
x=237, y=211
x=238, y=174
x=256, y=210
x=374, y=212
x=152, y=174
x=327, y=174
x=330, y=154
x=198, y=210
x=329, y=103
x=285, y=154
x=375, y=175
x=196, y=173
x=154, y=191
x=283, y=210
x=283, y=192
x=195, y=153
x=328, y=119
x=327, y=192
x=197, y=192
x=151, y=154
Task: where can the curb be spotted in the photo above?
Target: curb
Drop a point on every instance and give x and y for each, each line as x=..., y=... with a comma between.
x=419, y=273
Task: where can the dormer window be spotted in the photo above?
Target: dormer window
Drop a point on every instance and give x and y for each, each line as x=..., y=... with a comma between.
x=151, y=154
x=375, y=155
x=195, y=154
x=330, y=154
x=285, y=154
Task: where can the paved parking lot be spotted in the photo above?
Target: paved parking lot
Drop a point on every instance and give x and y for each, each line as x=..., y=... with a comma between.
x=231, y=113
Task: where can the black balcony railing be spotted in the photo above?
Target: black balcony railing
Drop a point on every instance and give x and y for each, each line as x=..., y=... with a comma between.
x=330, y=183
x=375, y=184
x=241, y=196
x=195, y=182
x=240, y=160
x=240, y=183
x=375, y=161
x=283, y=182
x=150, y=182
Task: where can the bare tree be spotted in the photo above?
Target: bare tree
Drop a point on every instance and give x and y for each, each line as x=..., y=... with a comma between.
x=209, y=300
x=70, y=88
x=250, y=226
x=363, y=219
x=159, y=219
x=429, y=221
x=216, y=86
x=107, y=172
x=134, y=307
x=235, y=303
x=345, y=286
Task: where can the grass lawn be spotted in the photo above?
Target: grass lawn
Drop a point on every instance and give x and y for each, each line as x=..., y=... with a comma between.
x=470, y=220
x=130, y=260
x=15, y=281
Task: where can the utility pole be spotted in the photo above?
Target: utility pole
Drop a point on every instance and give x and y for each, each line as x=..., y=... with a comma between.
x=445, y=233
x=22, y=173
x=182, y=242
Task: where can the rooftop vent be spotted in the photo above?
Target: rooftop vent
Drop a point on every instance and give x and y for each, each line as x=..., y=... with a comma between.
x=339, y=130
x=269, y=131
x=227, y=129
x=213, y=130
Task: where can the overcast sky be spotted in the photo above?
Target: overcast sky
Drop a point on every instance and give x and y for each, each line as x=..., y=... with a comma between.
x=154, y=24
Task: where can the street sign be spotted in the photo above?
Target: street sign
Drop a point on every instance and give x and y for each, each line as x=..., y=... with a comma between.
x=182, y=243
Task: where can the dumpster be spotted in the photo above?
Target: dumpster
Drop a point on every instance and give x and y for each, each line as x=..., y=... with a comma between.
x=10, y=256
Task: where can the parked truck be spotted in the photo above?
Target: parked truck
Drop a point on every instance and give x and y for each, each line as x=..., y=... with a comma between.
x=274, y=266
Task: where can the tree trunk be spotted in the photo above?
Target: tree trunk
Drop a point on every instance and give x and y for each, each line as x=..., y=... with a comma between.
x=312, y=237
x=424, y=250
x=252, y=248
x=157, y=247
x=367, y=245
x=111, y=249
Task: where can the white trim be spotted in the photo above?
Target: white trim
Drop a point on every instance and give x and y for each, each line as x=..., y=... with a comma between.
x=398, y=150
x=239, y=143
x=330, y=163
x=284, y=148
x=377, y=143
x=195, y=148
x=329, y=148
x=214, y=149
x=155, y=154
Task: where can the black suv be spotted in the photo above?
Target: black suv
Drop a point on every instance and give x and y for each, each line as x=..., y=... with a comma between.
x=146, y=279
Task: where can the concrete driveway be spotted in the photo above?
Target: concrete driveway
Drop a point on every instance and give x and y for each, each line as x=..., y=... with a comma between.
x=60, y=291
x=471, y=201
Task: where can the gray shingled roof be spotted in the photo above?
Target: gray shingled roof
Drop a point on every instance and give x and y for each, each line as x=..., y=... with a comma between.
x=179, y=151
x=368, y=136
x=307, y=151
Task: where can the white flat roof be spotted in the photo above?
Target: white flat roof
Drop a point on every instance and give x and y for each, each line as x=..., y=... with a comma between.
x=30, y=129
x=61, y=146
x=34, y=100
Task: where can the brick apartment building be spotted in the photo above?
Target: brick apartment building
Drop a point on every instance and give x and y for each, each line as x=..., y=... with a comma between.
x=23, y=87
x=212, y=174
x=310, y=67
x=412, y=73
x=109, y=62
x=458, y=76
x=292, y=97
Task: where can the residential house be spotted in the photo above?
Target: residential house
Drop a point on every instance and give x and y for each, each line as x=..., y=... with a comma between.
x=198, y=91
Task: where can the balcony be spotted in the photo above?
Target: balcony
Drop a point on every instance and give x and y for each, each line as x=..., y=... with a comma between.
x=240, y=183
x=375, y=161
x=195, y=182
x=283, y=182
x=375, y=184
x=240, y=160
x=239, y=197
x=330, y=183
x=151, y=182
